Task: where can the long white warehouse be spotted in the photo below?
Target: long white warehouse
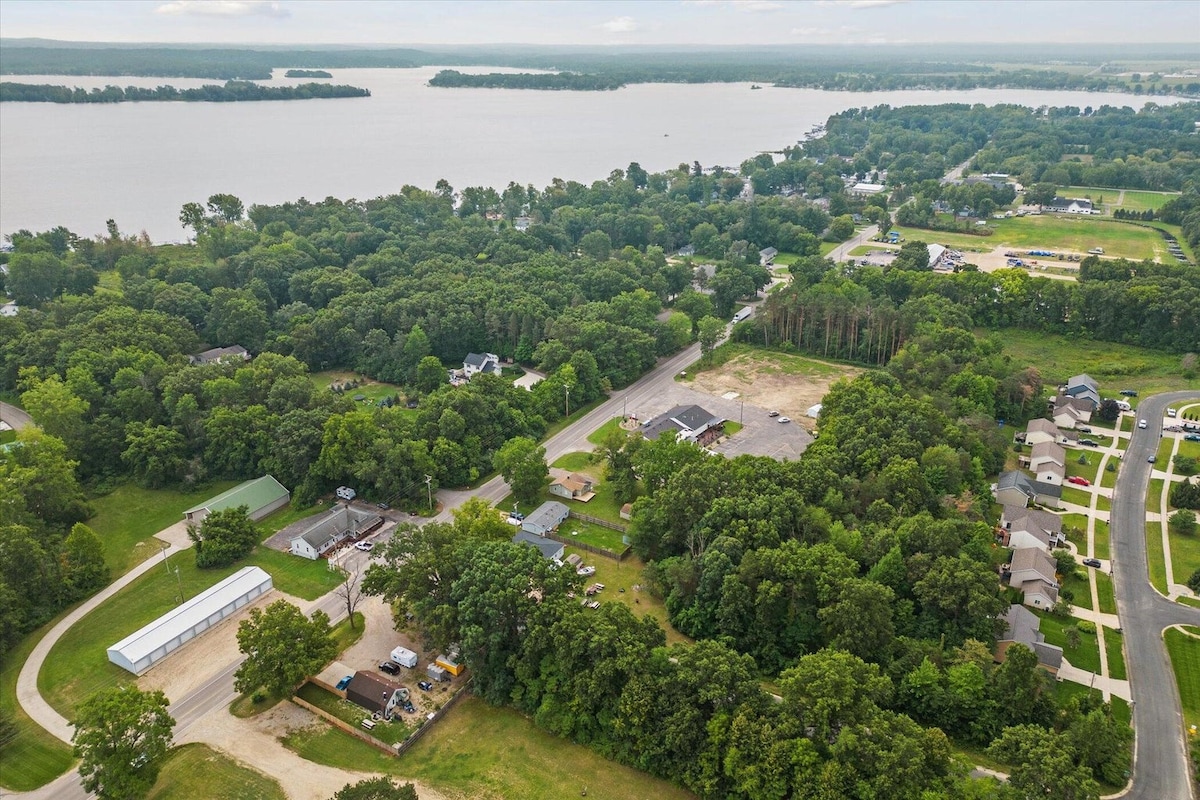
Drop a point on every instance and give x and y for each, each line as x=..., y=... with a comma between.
x=138, y=651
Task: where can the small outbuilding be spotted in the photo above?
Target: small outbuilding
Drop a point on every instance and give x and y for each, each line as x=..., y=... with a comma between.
x=814, y=411
x=139, y=651
x=261, y=496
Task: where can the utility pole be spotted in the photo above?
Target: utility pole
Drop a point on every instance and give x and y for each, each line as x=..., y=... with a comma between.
x=165, y=547
x=179, y=582
x=567, y=389
x=429, y=490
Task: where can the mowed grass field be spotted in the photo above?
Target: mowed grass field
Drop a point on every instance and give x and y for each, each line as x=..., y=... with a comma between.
x=1114, y=366
x=196, y=770
x=491, y=753
x=129, y=516
x=1065, y=234
x=373, y=391
x=1131, y=200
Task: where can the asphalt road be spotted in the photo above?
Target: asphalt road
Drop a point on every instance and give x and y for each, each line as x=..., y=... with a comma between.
x=15, y=417
x=1160, y=769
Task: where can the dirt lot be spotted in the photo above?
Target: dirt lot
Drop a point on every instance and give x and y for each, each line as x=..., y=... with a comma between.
x=774, y=381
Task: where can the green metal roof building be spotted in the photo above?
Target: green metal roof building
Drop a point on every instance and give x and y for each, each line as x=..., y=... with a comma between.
x=261, y=495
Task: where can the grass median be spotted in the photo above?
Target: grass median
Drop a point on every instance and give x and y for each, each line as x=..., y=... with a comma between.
x=196, y=770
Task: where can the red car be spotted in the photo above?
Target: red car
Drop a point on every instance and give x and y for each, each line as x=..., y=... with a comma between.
x=1078, y=481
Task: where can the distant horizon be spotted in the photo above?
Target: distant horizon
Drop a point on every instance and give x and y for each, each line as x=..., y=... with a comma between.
x=654, y=23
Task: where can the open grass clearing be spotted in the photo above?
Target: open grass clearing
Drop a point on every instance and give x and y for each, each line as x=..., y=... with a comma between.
x=372, y=391
x=1184, y=650
x=128, y=517
x=1086, y=656
x=7, y=436
x=1165, y=446
x=627, y=575
x=1079, y=588
x=1114, y=648
x=78, y=664
x=479, y=751
x=322, y=743
x=196, y=770
x=34, y=757
x=1114, y=366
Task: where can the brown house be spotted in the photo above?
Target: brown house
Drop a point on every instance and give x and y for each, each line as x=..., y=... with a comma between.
x=375, y=694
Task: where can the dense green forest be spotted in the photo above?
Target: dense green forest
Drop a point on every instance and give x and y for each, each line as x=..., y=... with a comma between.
x=307, y=73
x=230, y=92
x=859, y=580
x=452, y=79
x=833, y=67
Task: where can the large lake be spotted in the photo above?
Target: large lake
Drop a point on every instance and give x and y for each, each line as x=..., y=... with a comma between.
x=138, y=163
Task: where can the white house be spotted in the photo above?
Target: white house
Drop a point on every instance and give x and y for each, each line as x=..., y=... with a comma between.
x=487, y=363
x=219, y=355
x=1048, y=461
x=545, y=518
x=1071, y=411
x=862, y=189
x=766, y=256
x=1030, y=527
x=549, y=548
x=329, y=530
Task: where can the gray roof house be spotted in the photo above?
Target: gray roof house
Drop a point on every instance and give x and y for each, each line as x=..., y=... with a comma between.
x=766, y=256
x=1033, y=572
x=329, y=530
x=1031, y=527
x=1016, y=488
x=549, y=548
x=487, y=363
x=1040, y=430
x=375, y=694
x=1049, y=462
x=1023, y=626
x=1083, y=387
x=1071, y=411
x=692, y=423
x=545, y=518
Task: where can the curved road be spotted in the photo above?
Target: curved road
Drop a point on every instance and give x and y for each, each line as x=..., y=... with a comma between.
x=15, y=417
x=1160, y=769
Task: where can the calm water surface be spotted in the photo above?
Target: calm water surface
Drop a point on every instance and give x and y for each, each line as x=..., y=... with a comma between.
x=138, y=163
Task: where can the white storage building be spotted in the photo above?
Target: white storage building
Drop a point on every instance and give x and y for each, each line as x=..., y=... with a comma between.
x=139, y=651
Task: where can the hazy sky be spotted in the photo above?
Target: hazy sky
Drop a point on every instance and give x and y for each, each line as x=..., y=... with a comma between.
x=594, y=23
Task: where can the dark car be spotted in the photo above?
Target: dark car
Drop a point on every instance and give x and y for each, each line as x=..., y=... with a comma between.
x=1091, y=562
x=1129, y=392
x=382, y=506
x=425, y=686
x=1084, y=429
x=1088, y=442
x=408, y=706
x=390, y=667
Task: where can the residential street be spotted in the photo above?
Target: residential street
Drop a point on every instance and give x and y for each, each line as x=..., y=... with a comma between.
x=1160, y=770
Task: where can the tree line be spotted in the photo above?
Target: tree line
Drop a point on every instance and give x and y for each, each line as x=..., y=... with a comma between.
x=230, y=92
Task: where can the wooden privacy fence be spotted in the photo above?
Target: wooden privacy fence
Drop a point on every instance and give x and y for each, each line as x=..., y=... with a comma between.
x=591, y=548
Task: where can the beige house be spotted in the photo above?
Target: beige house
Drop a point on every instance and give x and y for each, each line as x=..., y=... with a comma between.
x=1034, y=573
x=1048, y=462
x=573, y=486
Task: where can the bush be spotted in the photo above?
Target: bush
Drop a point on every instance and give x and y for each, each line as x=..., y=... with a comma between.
x=1182, y=523
x=1185, y=465
x=1086, y=626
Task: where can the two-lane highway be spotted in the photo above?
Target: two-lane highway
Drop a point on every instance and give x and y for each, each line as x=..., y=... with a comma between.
x=1160, y=769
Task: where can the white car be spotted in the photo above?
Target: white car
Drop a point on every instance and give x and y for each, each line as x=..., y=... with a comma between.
x=364, y=546
x=782, y=420
x=1141, y=423
x=586, y=571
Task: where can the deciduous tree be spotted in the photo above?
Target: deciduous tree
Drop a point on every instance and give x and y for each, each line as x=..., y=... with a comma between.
x=121, y=736
x=522, y=462
x=282, y=648
x=223, y=537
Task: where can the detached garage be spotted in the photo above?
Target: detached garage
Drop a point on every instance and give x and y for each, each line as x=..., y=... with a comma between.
x=261, y=496
x=139, y=651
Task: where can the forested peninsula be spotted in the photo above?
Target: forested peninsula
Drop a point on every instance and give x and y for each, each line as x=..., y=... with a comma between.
x=453, y=79
x=230, y=92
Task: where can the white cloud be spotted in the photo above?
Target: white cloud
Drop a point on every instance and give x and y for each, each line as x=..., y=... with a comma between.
x=756, y=5
x=859, y=3
x=224, y=8
x=620, y=25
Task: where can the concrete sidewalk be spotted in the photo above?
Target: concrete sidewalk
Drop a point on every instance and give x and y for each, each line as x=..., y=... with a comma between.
x=1107, y=686
x=27, y=692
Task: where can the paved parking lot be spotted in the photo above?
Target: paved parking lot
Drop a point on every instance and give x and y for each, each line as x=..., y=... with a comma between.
x=760, y=435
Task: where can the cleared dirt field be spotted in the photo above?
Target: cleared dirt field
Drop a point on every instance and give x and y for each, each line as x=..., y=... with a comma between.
x=789, y=384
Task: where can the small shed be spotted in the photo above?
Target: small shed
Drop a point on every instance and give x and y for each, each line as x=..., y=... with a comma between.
x=814, y=411
x=261, y=496
x=436, y=673
x=139, y=651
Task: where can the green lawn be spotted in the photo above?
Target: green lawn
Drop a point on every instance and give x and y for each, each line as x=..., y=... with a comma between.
x=129, y=516
x=1154, y=495
x=577, y=462
x=78, y=664
x=477, y=750
x=1100, y=539
x=321, y=743
x=1077, y=496
x=1086, y=656
x=604, y=505
x=1141, y=201
x=1113, y=642
x=1114, y=366
x=1185, y=556
x=1067, y=233
x=34, y=757
x=1185, y=660
x=1154, y=554
x=196, y=770
x=8, y=436
x=1080, y=589
x=589, y=533
x=1187, y=448
x=1104, y=592
x=1108, y=478
x=626, y=575
x=388, y=732
x=597, y=436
